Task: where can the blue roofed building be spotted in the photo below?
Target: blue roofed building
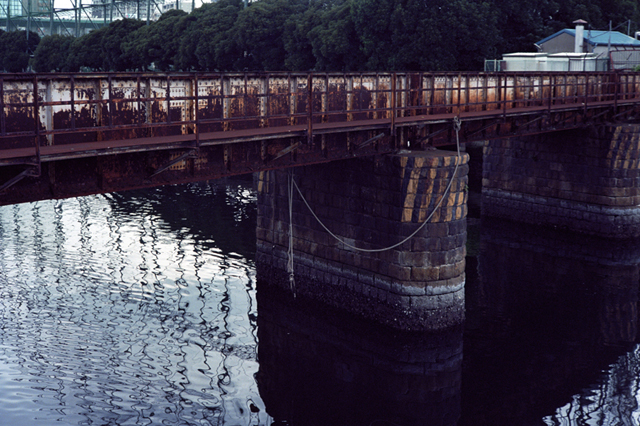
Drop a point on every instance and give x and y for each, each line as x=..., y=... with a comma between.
x=575, y=49
x=622, y=50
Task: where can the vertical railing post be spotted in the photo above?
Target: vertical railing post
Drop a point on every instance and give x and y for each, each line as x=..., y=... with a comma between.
x=459, y=93
x=324, y=99
x=36, y=120
x=72, y=101
x=499, y=92
x=514, y=103
x=374, y=96
x=310, y=108
x=263, y=101
x=504, y=97
x=147, y=106
x=225, y=83
x=467, y=99
x=432, y=95
x=110, y=102
x=168, y=98
x=393, y=105
x=485, y=92
x=552, y=87
x=245, y=95
x=196, y=107
x=3, y=113
x=139, y=101
x=616, y=93
x=586, y=93
x=293, y=99
x=348, y=85
x=48, y=112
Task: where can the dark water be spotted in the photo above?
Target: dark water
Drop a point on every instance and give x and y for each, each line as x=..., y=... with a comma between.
x=145, y=308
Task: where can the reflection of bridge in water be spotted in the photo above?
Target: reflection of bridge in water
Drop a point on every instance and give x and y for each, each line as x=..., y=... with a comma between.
x=561, y=310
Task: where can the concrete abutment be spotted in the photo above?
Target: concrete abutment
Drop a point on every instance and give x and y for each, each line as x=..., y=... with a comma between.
x=370, y=203
x=584, y=181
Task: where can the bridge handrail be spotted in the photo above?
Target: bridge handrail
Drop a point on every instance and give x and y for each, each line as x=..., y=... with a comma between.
x=42, y=109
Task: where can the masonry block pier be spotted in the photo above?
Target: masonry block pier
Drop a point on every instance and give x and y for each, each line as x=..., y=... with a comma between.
x=585, y=181
x=370, y=204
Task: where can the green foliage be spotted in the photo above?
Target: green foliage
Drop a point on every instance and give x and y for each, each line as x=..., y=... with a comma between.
x=16, y=49
x=155, y=44
x=336, y=44
x=323, y=35
x=209, y=43
x=104, y=49
x=259, y=35
x=296, y=39
x=114, y=41
x=51, y=53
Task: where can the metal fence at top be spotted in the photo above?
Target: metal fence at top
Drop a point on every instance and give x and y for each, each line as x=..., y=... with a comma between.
x=76, y=18
x=627, y=60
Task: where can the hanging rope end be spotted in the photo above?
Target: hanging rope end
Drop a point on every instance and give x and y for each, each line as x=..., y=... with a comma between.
x=457, y=124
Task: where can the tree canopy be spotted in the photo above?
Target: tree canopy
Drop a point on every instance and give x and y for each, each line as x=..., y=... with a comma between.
x=330, y=35
x=16, y=47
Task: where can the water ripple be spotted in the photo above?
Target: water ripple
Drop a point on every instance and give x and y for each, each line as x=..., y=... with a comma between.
x=110, y=314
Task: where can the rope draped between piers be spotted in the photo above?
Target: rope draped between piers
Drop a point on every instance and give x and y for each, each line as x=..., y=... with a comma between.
x=292, y=284
x=457, y=125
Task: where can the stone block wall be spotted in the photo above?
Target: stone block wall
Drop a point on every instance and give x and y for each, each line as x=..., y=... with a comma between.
x=586, y=181
x=371, y=203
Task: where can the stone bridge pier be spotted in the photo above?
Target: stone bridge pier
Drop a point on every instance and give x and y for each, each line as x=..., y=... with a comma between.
x=586, y=181
x=397, y=253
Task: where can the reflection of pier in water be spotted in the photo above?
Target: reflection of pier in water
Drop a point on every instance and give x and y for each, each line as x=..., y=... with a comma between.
x=547, y=311
x=319, y=368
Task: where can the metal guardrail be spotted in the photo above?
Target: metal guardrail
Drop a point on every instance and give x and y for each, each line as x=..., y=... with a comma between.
x=54, y=109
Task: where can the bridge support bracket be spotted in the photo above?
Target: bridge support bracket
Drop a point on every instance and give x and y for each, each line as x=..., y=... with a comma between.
x=287, y=150
x=370, y=141
x=482, y=129
x=193, y=153
x=30, y=171
x=622, y=114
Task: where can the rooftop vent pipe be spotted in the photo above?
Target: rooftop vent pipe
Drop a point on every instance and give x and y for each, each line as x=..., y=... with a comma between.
x=579, y=42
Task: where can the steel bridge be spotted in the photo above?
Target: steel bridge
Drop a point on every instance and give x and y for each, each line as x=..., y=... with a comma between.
x=64, y=135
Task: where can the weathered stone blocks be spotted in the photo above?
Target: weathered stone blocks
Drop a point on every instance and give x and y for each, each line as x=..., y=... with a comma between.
x=586, y=181
x=371, y=204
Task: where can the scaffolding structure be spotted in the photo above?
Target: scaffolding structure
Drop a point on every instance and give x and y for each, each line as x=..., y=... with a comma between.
x=75, y=17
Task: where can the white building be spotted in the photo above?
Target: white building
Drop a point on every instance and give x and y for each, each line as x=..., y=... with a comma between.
x=575, y=50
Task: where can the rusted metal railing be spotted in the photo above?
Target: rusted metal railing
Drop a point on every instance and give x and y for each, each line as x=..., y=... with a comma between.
x=54, y=109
